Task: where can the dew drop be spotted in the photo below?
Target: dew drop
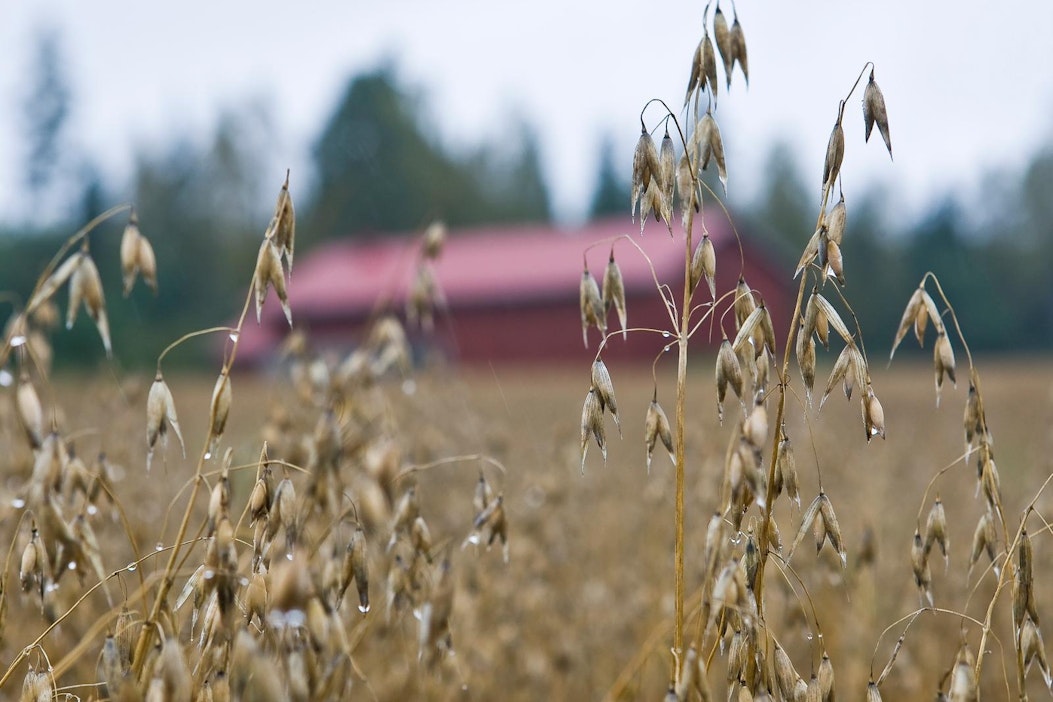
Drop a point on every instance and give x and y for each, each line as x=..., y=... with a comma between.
x=72, y=565
x=666, y=348
x=159, y=547
x=93, y=510
x=363, y=608
x=17, y=340
x=234, y=337
x=288, y=556
x=18, y=503
x=6, y=378
x=666, y=334
x=208, y=455
x=808, y=636
x=409, y=387
x=132, y=566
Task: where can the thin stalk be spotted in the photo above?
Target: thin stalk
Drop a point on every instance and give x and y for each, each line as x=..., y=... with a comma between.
x=681, y=413
x=168, y=580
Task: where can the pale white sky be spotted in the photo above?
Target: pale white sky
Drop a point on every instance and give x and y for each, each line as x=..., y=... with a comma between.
x=969, y=85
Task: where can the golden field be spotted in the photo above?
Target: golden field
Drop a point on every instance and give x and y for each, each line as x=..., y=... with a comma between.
x=584, y=606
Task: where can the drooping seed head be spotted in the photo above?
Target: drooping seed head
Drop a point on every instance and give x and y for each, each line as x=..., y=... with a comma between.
x=614, y=292
x=601, y=381
x=219, y=410
x=434, y=240
x=646, y=167
x=656, y=427
x=985, y=538
x=130, y=252
x=936, y=528
x=357, y=566
x=709, y=65
x=910, y=315
x=833, y=528
x=874, y=111
x=723, y=37
x=30, y=411
x=704, y=265
x=786, y=467
x=591, y=306
x=943, y=362
x=667, y=168
x=835, y=153
x=268, y=274
x=835, y=221
x=85, y=286
x=964, y=686
x=712, y=147
x=160, y=415
x=738, y=48
x=728, y=372
x=826, y=678
x=592, y=425
x=283, y=224
x=873, y=415
x=873, y=693
x=806, y=362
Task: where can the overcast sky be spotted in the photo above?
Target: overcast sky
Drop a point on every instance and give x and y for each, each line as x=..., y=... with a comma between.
x=969, y=85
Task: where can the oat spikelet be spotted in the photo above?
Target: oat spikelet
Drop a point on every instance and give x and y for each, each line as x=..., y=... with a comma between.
x=712, y=147
x=601, y=382
x=704, y=265
x=709, y=65
x=786, y=468
x=835, y=153
x=591, y=306
x=873, y=415
x=30, y=411
x=86, y=285
x=723, y=37
x=219, y=409
x=356, y=566
x=283, y=224
x=592, y=425
x=728, y=372
x=826, y=678
x=919, y=560
x=874, y=111
x=130, y=253
x=943, y=362
x=614, y=293
x=646, y=168
x=738, y=48
x=656, y=426
x=910, y=315
x=873, y=693
x=985, y=539
x=806, y=362
x=1034, y=649
x=964, y=687
x=936, y=529
x=836, y=221
x=160, y=415
x=269, y=273
x=833, y=529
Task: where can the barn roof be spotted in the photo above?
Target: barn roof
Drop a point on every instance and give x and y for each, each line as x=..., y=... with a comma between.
x=497, y=265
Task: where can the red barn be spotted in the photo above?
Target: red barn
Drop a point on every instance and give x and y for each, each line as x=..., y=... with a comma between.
x=512, y=291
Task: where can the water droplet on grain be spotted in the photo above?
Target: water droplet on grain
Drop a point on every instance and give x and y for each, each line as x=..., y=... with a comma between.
x=363, y=608
x=208, y=455
x=666, y=348
x=159, y=547
x=17, y=340
x=666, y=334
x=18, y=503
x=72, y=565
x=93, y=510
x=234, y=337
x=808, y=636
x=131, y=567
x=288, y=556
x=6, y=378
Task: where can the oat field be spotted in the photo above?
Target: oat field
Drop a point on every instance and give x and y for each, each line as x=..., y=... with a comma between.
x=583, y=607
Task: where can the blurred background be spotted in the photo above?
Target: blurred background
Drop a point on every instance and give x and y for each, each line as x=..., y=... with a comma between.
x=391, y=115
